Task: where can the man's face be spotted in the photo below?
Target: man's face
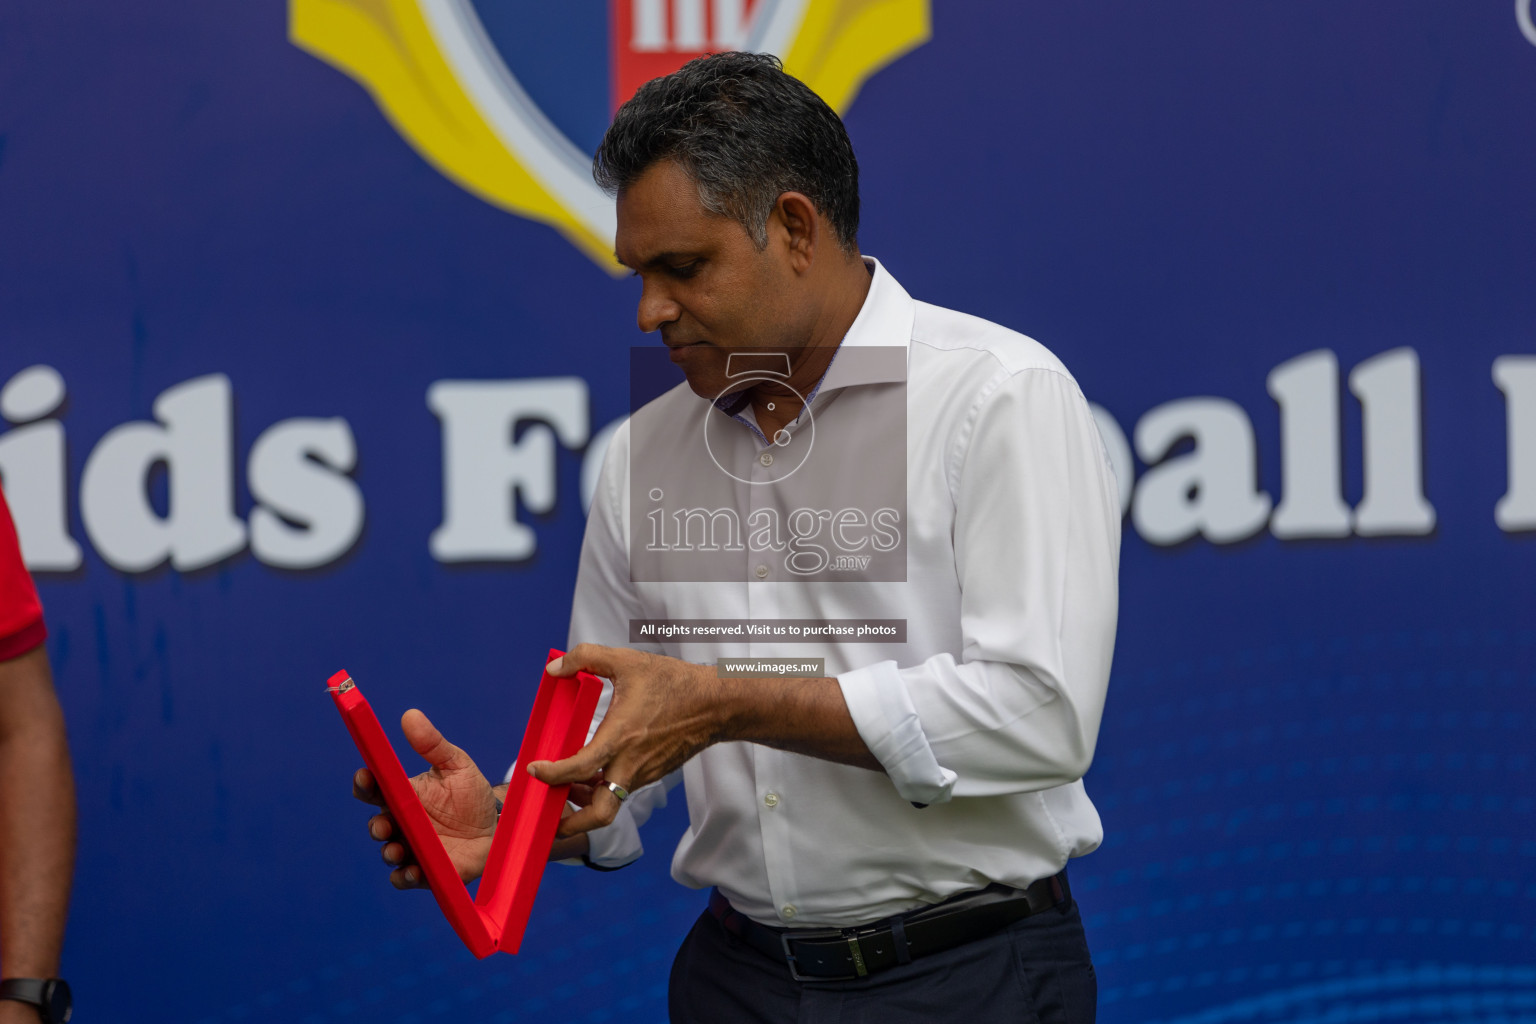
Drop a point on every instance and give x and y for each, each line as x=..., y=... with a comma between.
x=704, y=284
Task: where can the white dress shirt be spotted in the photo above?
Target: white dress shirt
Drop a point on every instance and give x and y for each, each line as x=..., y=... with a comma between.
x=986, y=715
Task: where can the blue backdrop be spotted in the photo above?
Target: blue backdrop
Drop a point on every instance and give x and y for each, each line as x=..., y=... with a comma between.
x=1315, y=769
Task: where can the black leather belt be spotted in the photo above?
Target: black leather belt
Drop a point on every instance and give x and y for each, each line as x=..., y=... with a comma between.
x=842, y=954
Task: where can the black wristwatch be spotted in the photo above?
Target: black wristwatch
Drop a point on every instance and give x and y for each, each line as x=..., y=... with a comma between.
x=49, y=995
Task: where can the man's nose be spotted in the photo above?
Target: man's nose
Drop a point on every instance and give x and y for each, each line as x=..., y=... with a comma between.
x=656, y=308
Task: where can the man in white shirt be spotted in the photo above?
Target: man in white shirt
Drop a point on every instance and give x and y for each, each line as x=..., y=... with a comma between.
x=885, y=840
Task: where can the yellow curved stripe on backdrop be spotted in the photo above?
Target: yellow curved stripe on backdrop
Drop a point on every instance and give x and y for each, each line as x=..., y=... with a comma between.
x=388, y=48
x=842, y=42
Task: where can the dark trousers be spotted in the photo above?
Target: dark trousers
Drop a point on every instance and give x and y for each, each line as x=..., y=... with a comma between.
x=1036, y=971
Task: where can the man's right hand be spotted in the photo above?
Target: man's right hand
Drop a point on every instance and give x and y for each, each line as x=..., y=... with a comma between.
x=458, y=800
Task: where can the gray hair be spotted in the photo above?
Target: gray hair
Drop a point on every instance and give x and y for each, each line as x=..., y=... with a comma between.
x=746, y=132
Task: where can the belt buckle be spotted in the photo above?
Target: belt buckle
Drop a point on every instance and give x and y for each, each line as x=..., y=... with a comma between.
x=808, y=935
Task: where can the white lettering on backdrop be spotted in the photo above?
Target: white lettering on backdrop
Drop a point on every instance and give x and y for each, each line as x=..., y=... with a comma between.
x=1516, y=377
x=1210, y=490
x=499, y=443
x=310, y=511
x=486, y=469
x=1312, y=503
x=1388, y=388
x=193, y=439
x=32, y=468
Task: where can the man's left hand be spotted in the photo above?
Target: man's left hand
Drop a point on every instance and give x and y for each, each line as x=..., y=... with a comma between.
x=663, y=712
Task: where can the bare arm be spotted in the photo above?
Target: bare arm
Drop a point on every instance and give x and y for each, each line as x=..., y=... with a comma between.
x=802, y=716
x=37, y=822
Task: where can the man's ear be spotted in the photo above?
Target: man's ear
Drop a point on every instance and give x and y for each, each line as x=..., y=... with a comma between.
x=794, y=215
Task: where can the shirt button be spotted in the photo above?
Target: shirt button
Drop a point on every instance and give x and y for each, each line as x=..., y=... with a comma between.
x=788, y=910
x=772, y=799
x=766, y=458
x=762, y=572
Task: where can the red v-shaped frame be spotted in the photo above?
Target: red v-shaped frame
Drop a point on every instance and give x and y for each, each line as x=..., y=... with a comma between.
x=496, y=917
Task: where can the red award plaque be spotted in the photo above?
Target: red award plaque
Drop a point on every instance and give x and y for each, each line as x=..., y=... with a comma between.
x=496, y=917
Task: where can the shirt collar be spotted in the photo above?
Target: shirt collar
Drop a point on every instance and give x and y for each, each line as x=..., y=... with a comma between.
x=883, y=328
x=881, y=333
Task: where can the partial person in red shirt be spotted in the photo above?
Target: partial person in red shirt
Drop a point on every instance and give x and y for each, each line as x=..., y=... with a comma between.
x=37, y=803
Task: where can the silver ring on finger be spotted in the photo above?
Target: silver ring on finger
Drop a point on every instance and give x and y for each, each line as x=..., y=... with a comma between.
x=618, y=791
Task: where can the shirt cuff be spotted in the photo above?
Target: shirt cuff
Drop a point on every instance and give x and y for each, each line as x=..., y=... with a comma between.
x=613, y=846
x=886, y=718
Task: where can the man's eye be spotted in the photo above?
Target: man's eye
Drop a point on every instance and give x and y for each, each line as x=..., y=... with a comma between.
x=686, y=269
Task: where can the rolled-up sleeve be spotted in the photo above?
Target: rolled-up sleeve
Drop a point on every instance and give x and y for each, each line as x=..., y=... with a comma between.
x=1037, y=541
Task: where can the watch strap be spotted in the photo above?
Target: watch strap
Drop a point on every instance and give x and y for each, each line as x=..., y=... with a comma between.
x=50, y=995
x=23, y=990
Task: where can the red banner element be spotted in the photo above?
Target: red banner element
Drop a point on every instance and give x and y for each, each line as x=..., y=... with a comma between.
x=651, y=38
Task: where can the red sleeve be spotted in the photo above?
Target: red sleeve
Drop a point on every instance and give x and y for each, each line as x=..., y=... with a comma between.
x=21, y=615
